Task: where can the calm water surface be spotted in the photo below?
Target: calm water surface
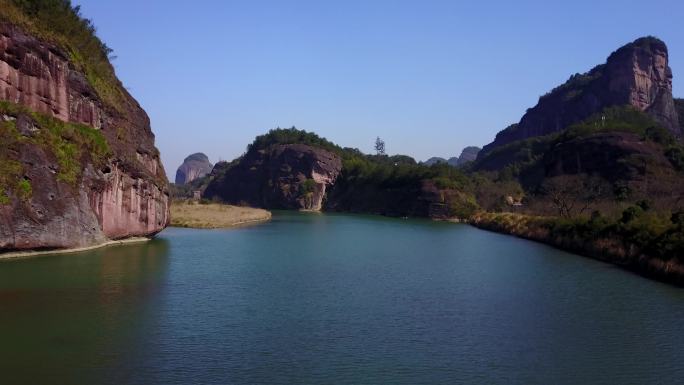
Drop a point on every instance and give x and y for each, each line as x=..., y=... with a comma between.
x=335, y=299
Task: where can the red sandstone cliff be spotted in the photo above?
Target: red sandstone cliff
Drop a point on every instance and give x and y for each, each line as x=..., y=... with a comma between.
x=283, y=176
x=124, y=196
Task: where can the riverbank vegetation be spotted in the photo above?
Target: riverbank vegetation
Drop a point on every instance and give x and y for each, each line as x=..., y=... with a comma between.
x=647, y=242
x=610, y=187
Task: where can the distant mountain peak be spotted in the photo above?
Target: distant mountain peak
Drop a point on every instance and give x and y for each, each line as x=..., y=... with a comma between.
x=434, y=160
x=198, y=156
x=636, y=74
x=194, y=166
x=468, y=154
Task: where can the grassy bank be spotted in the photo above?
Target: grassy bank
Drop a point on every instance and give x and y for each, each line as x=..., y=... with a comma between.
x=633, y=242
x=214, y=215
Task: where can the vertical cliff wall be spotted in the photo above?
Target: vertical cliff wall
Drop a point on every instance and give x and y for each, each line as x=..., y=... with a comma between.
x=83, y=167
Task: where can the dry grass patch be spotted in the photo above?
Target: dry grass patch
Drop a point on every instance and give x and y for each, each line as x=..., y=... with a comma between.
x=214, y=215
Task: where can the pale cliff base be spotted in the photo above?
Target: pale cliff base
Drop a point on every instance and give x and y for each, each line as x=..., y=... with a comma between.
x=29, y=253
x=214, y=215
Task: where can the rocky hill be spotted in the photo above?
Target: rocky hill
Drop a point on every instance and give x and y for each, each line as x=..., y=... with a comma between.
x=622, y=150
x=468, y=154
x=194, y=166
x=630, y=139
x=599, y=167
x=294, y=169
x=282, y=176
x=78, y=164
x=434, y=160
x=637, y=74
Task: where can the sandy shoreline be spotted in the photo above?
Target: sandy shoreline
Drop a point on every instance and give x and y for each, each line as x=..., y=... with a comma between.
x=29, y=253
x=230, y=226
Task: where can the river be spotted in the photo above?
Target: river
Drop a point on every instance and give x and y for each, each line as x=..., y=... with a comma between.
x=332, y=298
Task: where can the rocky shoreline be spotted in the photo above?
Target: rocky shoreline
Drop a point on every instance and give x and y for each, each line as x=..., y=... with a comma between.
x=37, y=253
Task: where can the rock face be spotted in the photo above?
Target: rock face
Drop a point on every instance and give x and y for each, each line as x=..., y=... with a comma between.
x=468, y=154
x=637, y=74
x=284, y=176
x=193, y=167
x=126, y=195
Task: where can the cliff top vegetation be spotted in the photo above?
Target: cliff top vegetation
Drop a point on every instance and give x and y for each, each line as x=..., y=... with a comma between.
x=61, y=23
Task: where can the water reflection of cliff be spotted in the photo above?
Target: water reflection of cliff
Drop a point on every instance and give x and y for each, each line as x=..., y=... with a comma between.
x=78, y=314
x=133, y=268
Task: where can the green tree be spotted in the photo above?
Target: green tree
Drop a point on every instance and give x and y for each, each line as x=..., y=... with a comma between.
x=379, y=146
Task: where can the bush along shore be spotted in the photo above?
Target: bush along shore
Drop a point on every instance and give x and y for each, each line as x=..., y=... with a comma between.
x=649, y=244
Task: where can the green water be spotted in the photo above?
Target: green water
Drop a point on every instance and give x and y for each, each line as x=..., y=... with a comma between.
x=323, y=299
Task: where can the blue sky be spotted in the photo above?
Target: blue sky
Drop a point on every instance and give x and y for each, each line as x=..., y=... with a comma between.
x=429, y=77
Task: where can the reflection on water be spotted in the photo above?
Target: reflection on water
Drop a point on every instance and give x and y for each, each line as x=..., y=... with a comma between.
x=84, y=308
x=335, y=299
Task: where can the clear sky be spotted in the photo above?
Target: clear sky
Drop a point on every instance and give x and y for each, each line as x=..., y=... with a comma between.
x=429, y=77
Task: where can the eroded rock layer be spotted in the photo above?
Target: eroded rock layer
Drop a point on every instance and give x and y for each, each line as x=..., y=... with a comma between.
x=123, y=194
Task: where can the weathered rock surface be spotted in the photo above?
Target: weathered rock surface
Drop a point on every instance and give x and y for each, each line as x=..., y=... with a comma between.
x=637, y=74
x=285, y=176
x=127, y=197
x=194, y=166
